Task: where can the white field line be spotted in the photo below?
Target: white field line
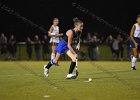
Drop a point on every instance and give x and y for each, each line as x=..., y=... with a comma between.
x=10, y=75
x=14, y=75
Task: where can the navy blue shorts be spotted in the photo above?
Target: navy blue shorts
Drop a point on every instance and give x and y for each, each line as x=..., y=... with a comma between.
x=132, y=45
x=62, y=47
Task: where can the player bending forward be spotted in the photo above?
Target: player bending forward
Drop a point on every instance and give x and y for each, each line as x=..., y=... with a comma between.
x=65, y=46
x=135, y=42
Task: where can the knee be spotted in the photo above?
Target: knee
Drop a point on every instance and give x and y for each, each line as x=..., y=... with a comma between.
x=53, y=51
x=74, y=59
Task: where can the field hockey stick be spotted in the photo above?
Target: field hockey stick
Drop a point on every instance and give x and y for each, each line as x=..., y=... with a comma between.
x=76, y=67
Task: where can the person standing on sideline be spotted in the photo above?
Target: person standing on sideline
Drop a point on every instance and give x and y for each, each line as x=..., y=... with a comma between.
x=45, y=49
x=121, y=48
x=37, y=47
x=29, y=47
x=115, y=48
x=95, y=47
x=3, y=46
x=13, y=47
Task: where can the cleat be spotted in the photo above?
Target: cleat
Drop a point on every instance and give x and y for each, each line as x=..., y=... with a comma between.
x=133, y=68
x=71, y=76
x=46, y=71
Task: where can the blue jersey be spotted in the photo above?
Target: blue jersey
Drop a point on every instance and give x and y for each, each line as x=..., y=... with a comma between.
x=62, y=46
x=76, y=36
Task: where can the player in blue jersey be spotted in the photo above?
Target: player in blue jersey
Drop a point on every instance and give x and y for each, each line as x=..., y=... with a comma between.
x=65, y=46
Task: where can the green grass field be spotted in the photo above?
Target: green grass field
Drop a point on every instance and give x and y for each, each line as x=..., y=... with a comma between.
x=111, y=81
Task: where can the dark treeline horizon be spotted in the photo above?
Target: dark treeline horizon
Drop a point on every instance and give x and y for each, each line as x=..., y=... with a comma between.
x=41, y=12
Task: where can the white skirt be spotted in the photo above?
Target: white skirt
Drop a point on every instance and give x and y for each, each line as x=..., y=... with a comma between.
x=54, y=40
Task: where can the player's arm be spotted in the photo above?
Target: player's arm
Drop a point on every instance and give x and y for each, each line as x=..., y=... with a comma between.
x=59, y=35
x=132, y=35
x=54, y=34
x=70, y=36
x=51, y=32
x=79, y=42
x=78, y=45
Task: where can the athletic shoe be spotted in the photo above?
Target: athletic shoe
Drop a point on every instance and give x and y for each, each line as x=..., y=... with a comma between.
x=71, y=76
x=133, y=68
x=46, y=71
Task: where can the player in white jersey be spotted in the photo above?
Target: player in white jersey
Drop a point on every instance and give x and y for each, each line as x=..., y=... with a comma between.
x=135, y=42
x=54, y=34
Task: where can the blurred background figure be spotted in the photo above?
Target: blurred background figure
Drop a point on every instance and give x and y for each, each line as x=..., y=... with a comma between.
x=3, y=46
x=37, y=45
x=115, y=49
x=128, y=48
x=102, y=40
x=109, y=42
x=29, y=43
x=121, y=47
x=89, y=45
x=95, y=48
x=45, y=49
x=12, y=47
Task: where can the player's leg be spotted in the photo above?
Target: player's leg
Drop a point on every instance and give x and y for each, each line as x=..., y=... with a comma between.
x=72, y=65
x=52, y=62
x=53, y=51
x=134, y=59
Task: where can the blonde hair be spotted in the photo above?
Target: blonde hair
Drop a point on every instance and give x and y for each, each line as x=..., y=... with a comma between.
x=55, y=19
x=138, y=16
x=77, y=21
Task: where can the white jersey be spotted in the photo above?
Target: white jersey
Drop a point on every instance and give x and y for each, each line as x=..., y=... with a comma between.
x=137, y=31
x=55, y=39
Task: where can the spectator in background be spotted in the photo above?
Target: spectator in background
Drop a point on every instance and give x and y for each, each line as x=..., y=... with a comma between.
x=37, y=47
x=129, y=48
x=45, y=49
x=88, y=41
x=12, y=47
x=29, y=48
x=109, y=41
x=115, y=49
x=3, y=45
x=121, y=48
x=95, y=48
x=102, y=39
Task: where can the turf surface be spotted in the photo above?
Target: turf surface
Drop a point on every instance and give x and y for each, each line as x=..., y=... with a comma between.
x=111, y=81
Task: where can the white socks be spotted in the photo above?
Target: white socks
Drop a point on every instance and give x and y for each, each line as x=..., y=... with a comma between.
x=134, y=61
x=52, y=56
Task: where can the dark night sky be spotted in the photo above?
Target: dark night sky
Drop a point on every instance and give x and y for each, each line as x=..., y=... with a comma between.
x=41, y=12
